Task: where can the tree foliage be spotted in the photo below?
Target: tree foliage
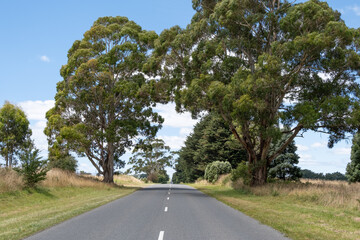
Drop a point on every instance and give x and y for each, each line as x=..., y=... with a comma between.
x=211, y=141
x=14, y=132
x=151, y=157
x=67, y=163
x=353, y=168
x=105, y=101
x=257, y=63
x=308, y=174
x=33, y=168
x=214, y=169
x=283, y=167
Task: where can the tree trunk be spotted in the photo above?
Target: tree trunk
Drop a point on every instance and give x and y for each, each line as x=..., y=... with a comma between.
x=6, y=160
x=259, y=175
x=257, y=170
x=10, y=160
x=108, y=167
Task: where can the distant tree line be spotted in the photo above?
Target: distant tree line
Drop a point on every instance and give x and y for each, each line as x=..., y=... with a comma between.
x=308, y=174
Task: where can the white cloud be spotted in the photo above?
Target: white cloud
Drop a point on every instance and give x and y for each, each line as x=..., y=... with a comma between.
x=318, y=145
x=45, y=58
x=355, y=9
x=302, y=147
x=305, y=156
x=185, y=131
x=342, y=151
x=174, y=119
x=36, y=110
x=174, y=142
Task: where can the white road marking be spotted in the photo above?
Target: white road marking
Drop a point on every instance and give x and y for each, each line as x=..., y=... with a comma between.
x=161, y=235
x=166, y=208
x=168, y=192
x=168, y=198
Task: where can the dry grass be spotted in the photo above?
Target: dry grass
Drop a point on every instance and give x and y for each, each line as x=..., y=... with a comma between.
x=121, y=180
x=326, y=193
x=59, y=178
x=10, y=181
x=127, y=180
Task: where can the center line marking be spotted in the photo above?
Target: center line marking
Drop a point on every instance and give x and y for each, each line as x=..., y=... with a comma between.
x=168, y=198
x=166, y=208
x=161, y=235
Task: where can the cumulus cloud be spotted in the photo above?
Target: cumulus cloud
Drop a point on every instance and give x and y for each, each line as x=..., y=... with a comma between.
x=174, y=142
x=45, y=58
x=305, y=156
x=302, y=147
x=185, y=131
x=174, y=119
x=342, y=151
x=318, y=145
x=36, y=110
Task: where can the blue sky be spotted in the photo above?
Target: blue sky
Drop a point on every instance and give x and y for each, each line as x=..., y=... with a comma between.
x=36, y=36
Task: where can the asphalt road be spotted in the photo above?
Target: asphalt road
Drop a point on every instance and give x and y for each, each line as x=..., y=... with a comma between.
x=162, y=212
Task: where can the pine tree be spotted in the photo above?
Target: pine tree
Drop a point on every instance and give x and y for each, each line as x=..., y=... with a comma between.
x=283, y=167
x=353, y=168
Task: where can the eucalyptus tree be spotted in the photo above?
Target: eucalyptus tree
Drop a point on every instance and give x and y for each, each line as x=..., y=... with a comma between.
x=14, y=132
x=151, y=157
x=259, y=63
x=105, y=101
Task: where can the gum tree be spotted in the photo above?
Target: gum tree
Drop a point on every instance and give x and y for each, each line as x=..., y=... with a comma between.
x=151, y=157
x=259, y=63
x=104, y=103
x=14, y=132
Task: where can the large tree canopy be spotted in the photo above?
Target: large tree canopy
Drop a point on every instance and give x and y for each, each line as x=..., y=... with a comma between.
x=259, y=63
x=14, y=132
x=104, y=101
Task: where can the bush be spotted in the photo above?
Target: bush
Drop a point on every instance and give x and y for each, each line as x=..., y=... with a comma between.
x=241, y=171
x=67, y=163
x=215, y=169
x=33, y=169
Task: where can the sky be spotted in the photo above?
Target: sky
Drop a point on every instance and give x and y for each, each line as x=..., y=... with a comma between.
x=36, y=36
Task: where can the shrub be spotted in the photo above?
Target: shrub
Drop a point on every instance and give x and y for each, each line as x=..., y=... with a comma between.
x=241, y=172
x=33, y=169
x=67, y=163
x=215, y=169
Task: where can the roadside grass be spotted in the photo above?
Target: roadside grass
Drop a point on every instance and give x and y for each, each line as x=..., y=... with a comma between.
x=60, y=197
x=314, y=210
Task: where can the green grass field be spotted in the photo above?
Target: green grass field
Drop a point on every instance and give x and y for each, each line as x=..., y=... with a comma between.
x=28, y=211
x=299, y=216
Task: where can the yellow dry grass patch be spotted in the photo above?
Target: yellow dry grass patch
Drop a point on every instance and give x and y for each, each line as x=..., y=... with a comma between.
x=10, y=181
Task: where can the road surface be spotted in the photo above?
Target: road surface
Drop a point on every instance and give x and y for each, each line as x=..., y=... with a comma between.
x=162, y=212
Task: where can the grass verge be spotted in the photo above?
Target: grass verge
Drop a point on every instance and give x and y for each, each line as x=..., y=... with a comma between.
x=297, y=217
x=60, y=197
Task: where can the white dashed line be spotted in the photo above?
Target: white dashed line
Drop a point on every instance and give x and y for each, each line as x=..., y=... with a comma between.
x=168, y=198
x=166, y=208
x=168, y=192
x=161, y=235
